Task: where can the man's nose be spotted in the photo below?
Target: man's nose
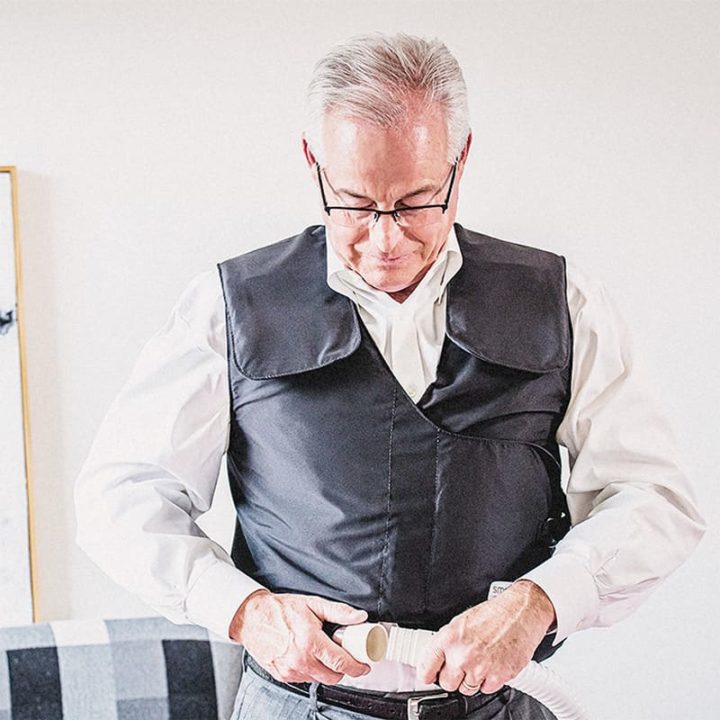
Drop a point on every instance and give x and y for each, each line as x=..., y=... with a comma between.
x=385, y=234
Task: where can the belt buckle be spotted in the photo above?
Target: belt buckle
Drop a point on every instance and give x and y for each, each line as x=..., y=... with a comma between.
x=413, y=704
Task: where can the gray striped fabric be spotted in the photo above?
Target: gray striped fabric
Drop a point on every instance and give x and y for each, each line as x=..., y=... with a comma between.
x=124, y=669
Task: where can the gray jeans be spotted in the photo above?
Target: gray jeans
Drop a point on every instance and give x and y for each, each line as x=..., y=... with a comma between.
x=260, y=699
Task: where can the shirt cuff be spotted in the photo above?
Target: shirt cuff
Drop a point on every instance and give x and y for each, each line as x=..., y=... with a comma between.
x=216, y=595
x=572, y=591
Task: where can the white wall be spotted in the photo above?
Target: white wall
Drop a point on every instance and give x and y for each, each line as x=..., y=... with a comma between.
x=153, y=141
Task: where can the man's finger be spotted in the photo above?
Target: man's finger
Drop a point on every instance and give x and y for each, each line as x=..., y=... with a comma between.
x=492, y=683
x=336, y=611
x=338, y=659
x=318, y=671
x=468, y=686
x=450, y=678
x=433, y=660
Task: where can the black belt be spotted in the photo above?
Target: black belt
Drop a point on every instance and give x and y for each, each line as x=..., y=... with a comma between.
x=418, y=705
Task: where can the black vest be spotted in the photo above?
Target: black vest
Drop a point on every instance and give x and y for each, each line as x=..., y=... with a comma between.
x=346, y=488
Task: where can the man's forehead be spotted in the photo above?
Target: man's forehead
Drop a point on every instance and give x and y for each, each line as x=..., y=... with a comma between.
x=363, y=158
x=423, y=129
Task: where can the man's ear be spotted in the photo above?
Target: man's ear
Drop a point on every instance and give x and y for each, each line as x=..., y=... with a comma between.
x=309, y=155
x=466, y=149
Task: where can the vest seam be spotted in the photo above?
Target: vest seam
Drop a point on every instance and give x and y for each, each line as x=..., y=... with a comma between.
x=286, y=373
x=229, y=327
x=433, y=525
x=385, y=542
x=571, y=341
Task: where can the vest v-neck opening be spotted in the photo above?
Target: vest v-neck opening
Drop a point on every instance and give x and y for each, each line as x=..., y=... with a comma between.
x=367, y=342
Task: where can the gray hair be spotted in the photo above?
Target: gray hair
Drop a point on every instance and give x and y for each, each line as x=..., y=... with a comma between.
x=380, y=78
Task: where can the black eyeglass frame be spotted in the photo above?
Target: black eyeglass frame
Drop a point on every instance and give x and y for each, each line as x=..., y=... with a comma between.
x=395, y=212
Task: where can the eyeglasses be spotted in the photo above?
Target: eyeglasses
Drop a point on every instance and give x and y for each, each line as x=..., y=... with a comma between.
x=406, y=216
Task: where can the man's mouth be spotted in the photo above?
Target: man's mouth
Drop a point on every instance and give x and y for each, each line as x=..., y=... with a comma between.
x=389, y=260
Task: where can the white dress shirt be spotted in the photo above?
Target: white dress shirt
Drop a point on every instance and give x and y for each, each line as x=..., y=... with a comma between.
x=408, y=334
x=154, y=464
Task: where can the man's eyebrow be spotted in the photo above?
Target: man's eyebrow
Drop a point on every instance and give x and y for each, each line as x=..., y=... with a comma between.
x=350, y=193
x=420, y=191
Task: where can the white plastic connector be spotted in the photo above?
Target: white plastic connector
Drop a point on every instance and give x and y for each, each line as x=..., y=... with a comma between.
x=370, y=642
x=366, y=642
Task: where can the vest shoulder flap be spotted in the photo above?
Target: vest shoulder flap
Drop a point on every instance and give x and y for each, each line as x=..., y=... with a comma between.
x=506, y=305
x=282, y=316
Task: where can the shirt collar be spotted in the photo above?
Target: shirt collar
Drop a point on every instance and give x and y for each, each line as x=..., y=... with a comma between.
x=348, y=282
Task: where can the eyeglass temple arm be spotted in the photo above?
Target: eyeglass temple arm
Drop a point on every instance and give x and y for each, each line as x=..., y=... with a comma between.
x=326, y=207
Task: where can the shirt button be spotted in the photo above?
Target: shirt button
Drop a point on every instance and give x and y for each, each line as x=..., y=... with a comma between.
x=412, y=391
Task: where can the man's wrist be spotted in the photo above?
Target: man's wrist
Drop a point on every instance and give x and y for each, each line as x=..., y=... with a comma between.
x=238, y=620
x=539, y=602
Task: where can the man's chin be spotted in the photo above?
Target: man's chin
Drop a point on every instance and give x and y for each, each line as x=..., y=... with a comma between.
x=388, y=281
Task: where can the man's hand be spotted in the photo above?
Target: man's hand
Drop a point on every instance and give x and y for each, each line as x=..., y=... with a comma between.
x=487, y=645
x=283, y=632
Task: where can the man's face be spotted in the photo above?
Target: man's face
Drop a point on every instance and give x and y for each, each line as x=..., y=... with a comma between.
x=369, y=166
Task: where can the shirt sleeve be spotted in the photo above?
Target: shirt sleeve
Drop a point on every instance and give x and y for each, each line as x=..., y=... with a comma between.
x=633, y=513
x=153, y=467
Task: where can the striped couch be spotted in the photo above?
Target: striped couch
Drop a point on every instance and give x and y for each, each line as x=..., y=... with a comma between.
x=123, y=669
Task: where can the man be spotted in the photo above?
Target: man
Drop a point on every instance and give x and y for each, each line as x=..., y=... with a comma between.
x=391, y=390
